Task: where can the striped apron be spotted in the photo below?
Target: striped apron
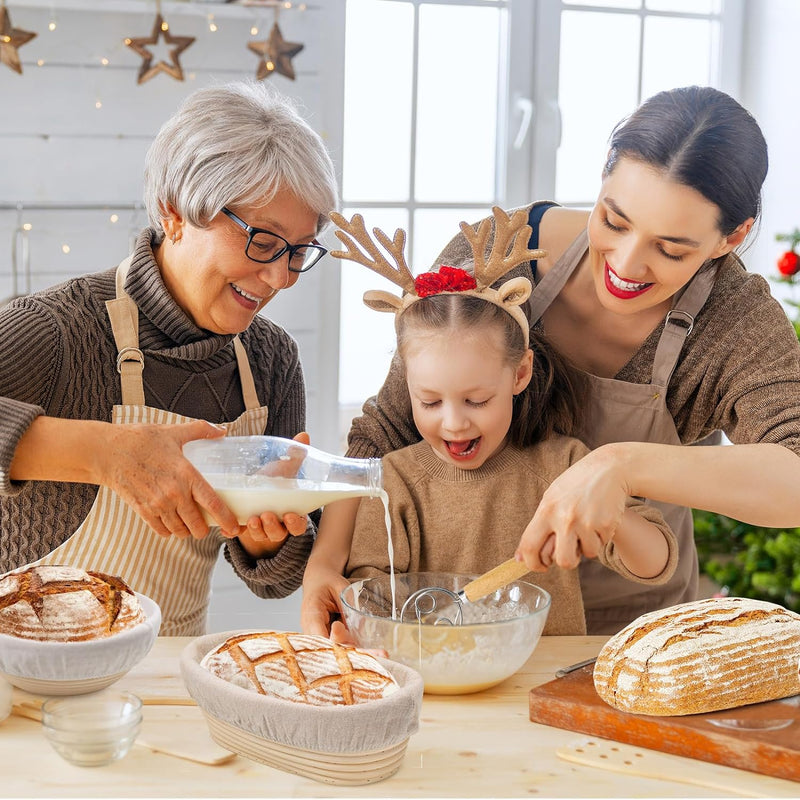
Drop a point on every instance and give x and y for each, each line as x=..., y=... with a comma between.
x=176, y=573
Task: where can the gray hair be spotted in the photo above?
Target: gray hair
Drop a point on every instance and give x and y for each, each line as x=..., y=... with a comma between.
x=236, y=144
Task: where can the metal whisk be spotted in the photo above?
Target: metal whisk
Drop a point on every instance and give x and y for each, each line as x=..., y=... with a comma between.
x=425, y=602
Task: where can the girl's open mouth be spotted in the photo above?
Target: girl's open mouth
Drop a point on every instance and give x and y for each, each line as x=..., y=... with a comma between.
x=463, y=450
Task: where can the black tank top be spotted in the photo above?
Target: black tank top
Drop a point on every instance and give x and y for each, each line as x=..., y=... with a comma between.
x=534, y=220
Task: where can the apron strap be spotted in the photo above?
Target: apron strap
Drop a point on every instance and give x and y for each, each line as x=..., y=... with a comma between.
x=678, y=325
x=553, y=282
x=246, y=376
x=124, y=316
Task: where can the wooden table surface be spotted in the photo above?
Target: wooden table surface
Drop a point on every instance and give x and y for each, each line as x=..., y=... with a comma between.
x=480, y=745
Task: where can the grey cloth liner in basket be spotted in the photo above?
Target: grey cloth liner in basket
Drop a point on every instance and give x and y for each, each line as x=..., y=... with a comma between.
x=365, y=727
x=92, y=658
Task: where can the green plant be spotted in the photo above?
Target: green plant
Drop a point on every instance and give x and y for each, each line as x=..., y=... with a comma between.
x=749, y=561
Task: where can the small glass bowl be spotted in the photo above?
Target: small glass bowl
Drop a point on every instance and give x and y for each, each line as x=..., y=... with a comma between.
x=92, y=730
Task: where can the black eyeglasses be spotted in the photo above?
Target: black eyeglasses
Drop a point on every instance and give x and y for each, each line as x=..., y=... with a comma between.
x=265, y=247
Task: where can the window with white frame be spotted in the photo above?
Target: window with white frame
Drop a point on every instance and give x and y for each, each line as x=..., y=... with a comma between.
x=452, y=106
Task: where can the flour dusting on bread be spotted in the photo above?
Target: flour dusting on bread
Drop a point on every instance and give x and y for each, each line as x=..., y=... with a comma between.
x=702, y=656
x=301, y=668
x=67, y=604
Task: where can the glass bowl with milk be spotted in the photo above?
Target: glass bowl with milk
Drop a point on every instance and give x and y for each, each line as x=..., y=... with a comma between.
x=254, y=474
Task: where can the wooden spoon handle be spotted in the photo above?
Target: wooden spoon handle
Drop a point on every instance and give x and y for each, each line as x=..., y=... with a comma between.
x=495, y=578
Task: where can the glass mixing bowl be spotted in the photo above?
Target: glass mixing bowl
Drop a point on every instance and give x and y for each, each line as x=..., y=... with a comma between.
x=497, y=636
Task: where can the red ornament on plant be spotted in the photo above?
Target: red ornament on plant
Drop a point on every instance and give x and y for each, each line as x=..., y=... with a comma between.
x=789, y=263
x=447, y=279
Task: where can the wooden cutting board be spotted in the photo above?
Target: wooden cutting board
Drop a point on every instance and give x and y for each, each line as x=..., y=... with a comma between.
x=763, y=738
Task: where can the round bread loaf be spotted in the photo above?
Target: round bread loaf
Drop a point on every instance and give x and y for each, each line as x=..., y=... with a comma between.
x=66, y=604
x=300, y=667
x=707, y=655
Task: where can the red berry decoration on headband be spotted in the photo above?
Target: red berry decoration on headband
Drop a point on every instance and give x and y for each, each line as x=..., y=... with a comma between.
x=447, y=279
x=789, y=263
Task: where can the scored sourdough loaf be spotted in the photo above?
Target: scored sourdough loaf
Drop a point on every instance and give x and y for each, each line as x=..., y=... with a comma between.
x=701, y=656
x=300, y=667
x=66, y=604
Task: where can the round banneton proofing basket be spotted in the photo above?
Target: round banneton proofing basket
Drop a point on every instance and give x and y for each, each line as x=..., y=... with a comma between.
x=58, y=668
x=346, y=745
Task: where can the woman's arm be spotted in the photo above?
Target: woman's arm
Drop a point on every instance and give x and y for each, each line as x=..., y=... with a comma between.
x=143, y=464
x=756, y=483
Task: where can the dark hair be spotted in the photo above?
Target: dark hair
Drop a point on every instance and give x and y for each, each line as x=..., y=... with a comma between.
x=702, y=138
x=553, y=399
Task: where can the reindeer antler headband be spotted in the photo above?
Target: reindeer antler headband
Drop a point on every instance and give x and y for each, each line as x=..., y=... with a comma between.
x=509, y=248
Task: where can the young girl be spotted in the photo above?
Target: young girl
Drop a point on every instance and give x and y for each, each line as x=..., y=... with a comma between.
x=491, y=403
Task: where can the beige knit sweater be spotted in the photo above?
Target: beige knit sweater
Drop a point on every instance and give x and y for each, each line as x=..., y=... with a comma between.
x=456, y=520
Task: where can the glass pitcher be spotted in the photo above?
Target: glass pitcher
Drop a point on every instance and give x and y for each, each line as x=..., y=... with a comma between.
x=253, y=474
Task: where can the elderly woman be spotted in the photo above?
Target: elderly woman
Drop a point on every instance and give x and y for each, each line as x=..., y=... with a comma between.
x=105, y=377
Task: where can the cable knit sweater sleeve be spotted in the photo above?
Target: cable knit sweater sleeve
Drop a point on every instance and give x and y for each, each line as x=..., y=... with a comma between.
x=31, y=355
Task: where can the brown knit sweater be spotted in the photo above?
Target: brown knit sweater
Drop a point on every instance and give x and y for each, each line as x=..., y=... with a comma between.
x=456, y=520
x=58, y=358
x=739, y=370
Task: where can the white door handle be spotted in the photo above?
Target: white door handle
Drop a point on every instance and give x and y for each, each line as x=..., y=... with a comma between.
x=525, y=106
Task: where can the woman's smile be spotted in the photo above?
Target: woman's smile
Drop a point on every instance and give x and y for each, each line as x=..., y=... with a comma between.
x=622, y=288
x=249, y=301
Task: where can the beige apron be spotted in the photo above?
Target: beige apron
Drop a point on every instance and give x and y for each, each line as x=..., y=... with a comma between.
x=176, y=573
x=618, y=412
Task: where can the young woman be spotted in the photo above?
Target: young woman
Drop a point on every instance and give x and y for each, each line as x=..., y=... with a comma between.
x=645, y=294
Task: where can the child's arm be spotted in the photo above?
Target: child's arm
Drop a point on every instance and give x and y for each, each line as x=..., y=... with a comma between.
x=324, y=579
x=644, y=544
x=642, y=548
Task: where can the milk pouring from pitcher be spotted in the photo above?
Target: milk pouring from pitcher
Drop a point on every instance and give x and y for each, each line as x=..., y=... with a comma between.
x=253, y=474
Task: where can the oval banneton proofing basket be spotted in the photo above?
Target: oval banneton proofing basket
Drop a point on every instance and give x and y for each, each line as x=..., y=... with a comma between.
x=346, y=745
x=59, y=668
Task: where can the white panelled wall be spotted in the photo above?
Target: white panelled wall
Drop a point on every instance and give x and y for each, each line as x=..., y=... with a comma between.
x=73, y=136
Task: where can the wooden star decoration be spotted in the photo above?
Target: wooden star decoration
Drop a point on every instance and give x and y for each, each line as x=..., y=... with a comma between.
x=276, y=54
x=148, y=69
x=11, y=39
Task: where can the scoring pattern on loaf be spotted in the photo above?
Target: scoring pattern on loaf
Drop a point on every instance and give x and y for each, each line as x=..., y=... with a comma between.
x=66, y=604
x=701, y=656
x=300, y=667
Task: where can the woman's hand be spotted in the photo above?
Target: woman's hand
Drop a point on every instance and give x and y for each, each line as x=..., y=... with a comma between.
x=579, y=513
x=145, y=466
x=264, y=534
